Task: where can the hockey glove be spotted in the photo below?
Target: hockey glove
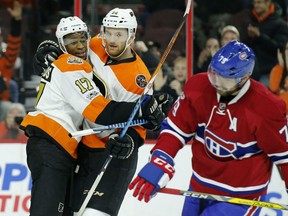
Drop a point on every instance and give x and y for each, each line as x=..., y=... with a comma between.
x=165, y=102
x=153, y=176
x=47, y=52
x=120, y=147
x=151, y=112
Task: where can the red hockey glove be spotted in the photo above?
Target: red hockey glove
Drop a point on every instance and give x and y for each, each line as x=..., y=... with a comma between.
x=153, y=176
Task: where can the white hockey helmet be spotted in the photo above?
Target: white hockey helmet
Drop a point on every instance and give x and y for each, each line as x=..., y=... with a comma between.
x=121, y=18
x=70, y=25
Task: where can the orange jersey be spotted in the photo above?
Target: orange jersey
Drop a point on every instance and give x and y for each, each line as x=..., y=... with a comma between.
x=66, y=95
x=120, y=81
x=7, y=62
x=275, y=81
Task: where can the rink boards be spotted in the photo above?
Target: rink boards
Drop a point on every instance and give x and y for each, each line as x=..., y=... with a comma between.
x=15, y=186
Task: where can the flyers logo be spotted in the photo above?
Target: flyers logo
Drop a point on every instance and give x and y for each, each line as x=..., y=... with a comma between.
x=141, y=81
x=74, y=60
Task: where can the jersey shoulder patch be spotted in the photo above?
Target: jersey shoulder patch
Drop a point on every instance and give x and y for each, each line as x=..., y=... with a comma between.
x=70, y=63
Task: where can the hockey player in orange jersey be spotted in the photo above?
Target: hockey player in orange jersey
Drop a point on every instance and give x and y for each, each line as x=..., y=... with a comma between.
x=66, y=95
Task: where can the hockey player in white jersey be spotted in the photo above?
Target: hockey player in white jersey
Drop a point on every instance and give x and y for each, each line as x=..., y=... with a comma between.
x=122, y=75
x=66, y=95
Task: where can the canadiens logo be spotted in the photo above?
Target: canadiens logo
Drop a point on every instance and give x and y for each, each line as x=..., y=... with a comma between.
x=243, y=55
x=218, y=148
x=74, y=60
x=141, y=81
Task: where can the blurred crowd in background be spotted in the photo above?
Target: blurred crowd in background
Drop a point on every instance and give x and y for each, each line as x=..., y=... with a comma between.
x=261, y=24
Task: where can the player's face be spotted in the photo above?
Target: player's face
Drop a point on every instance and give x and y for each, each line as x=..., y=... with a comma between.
x=115, y=40
x=226, y=86
x=76, y=44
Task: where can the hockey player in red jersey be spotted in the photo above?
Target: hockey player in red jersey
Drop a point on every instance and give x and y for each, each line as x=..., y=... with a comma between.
x=66, y=95
x=239, y=129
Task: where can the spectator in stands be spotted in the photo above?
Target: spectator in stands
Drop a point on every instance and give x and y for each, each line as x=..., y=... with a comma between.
x=173, y=85
x=9, y=128
x=229, y=33
x=4, y=105
x=180, y=75
x=148, y=56
x=211, y=47
x=264, y=30
x=279, y=76
x=8, y=58
x=155, y=48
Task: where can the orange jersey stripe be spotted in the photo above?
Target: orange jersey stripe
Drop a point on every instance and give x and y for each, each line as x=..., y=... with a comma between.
x=95, y=108
x=53, y=129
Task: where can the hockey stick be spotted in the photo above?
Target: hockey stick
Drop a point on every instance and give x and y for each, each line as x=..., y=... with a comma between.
x=233, y=200
x=106, y=127
x=136, y=108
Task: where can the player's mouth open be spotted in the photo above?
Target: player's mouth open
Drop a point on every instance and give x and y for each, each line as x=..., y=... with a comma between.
x=81, y=55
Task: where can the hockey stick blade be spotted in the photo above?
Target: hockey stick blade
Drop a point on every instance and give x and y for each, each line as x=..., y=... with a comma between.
x=136, y=108
x=96, y=130
x=233, y=200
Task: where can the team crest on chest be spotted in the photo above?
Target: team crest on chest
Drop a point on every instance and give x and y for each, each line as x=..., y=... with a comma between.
x=141, y=81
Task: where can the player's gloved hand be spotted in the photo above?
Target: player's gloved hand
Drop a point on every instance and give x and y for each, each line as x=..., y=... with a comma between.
x=153, y=176
x=151, y=112
x=47, y=52
x=165, y=102
x=120, y=147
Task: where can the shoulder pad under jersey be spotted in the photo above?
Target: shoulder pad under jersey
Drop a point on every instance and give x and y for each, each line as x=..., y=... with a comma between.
x=67, y=62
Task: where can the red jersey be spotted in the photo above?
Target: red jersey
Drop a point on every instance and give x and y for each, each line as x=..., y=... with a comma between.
x=234, y=143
